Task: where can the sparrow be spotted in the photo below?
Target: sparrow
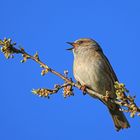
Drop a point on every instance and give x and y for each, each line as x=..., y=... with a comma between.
x=93, y=70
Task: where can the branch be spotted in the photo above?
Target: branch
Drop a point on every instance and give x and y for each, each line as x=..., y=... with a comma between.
x=127, y=102
x=8, y=49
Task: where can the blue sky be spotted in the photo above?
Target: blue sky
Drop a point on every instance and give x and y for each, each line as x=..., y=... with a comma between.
x=45, y=26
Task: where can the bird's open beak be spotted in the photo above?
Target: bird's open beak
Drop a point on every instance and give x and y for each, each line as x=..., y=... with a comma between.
x=72, y=44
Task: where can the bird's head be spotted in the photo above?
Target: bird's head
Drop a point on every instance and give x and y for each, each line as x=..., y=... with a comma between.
x=83, y=42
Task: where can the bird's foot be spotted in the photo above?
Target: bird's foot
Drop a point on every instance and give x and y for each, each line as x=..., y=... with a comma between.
x=83, y=88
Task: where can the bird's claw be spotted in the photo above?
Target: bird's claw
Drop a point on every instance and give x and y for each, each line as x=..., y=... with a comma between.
x=83, y=88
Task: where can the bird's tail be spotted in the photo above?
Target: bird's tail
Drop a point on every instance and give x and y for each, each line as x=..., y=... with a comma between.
x=119, y=118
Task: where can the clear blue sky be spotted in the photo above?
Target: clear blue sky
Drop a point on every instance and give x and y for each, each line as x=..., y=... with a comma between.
x=45, y=26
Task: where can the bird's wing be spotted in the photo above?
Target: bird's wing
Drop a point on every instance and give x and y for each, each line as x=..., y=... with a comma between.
x=107, y=66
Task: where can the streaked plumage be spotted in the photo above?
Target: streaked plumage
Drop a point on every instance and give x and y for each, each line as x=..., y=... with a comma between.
x=92, y=69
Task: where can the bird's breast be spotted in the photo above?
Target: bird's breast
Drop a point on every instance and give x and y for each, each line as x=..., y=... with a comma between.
x=86, y=69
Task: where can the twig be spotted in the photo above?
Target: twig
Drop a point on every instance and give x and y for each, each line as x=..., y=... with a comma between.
x=124, y=101
x=46, y=68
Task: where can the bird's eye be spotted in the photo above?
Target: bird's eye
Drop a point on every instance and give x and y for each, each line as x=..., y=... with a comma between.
x=80, y=42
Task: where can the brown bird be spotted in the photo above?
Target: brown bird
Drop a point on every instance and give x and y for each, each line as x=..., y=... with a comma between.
x=92, y=69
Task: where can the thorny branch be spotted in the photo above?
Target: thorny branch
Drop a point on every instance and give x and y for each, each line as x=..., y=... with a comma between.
x=127, y=102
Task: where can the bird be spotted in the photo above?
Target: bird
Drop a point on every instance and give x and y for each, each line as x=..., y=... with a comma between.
x=92, y=69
